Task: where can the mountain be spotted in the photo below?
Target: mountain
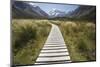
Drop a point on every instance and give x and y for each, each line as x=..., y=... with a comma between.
x=26, y=10
x=56, y=13
x=86, y=12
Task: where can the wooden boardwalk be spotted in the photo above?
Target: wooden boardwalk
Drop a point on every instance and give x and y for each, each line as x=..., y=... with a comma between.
x=54, y=50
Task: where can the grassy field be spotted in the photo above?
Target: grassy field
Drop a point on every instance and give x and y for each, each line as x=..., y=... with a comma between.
x=80, y=38
x=28, y=38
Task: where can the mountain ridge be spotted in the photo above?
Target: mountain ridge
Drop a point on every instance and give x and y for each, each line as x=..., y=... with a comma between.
x=25, y=10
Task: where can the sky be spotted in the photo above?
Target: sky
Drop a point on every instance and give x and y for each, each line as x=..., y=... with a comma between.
x=47, y=7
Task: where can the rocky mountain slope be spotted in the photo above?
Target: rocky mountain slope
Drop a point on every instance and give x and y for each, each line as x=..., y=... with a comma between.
x=26, y=10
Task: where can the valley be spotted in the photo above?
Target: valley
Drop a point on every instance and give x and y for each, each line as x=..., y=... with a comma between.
x=29, y=37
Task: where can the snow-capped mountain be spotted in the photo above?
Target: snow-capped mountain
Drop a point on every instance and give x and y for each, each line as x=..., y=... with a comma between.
x=26, y=10
x=57, y=13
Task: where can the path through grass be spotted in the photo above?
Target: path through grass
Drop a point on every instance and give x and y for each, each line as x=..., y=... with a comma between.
x=80, y=38
x=28, y=38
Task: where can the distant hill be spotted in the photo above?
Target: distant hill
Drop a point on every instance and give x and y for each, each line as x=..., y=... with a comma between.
x=84, y=12
x=26, y=10
x=22, y=9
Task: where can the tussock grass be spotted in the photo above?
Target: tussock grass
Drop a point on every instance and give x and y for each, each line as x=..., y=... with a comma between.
x=80, y=38
x=28, y=38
